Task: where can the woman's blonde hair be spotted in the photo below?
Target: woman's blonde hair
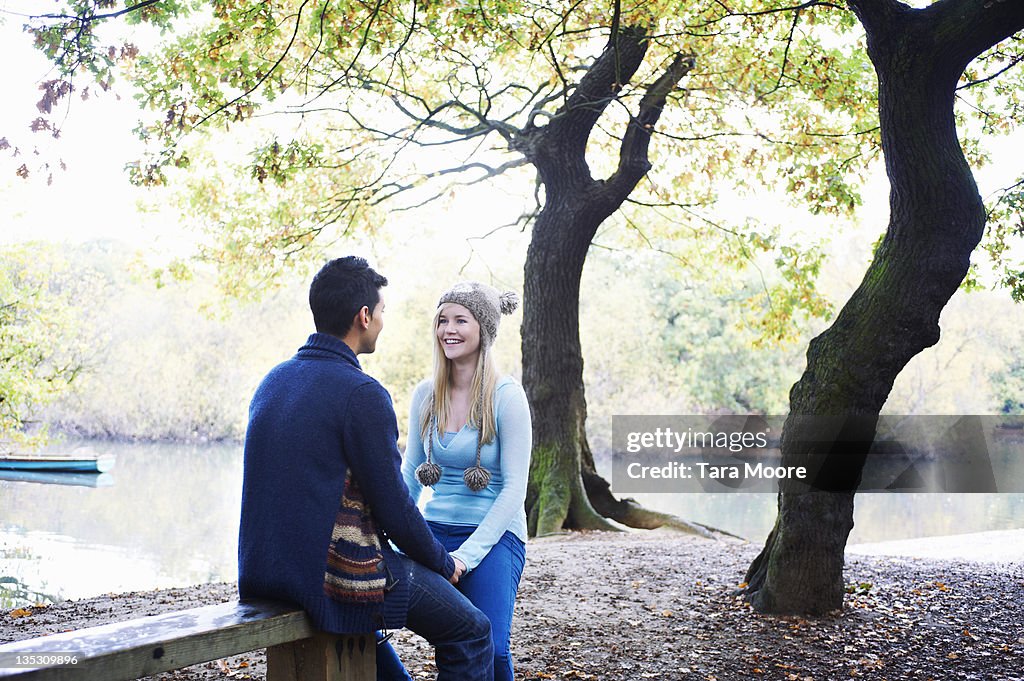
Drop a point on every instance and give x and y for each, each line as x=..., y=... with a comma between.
x=485, y=379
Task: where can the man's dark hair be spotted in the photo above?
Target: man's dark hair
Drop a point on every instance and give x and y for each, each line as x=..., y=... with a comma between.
x=339, y=290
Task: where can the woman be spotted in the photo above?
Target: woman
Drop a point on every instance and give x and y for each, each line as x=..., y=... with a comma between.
x=470, y=439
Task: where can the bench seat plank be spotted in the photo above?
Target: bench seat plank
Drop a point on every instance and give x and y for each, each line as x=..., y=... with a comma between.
x=150, y=645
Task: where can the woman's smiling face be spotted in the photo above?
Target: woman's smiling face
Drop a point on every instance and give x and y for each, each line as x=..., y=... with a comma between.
x=458, y=332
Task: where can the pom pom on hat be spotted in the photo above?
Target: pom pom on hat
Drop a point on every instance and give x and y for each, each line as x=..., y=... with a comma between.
x=509, y=301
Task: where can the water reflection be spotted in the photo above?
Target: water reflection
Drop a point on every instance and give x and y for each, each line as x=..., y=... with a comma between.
x=41, y=567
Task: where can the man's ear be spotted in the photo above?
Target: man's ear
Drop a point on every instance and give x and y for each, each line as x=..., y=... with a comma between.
x=363, y=316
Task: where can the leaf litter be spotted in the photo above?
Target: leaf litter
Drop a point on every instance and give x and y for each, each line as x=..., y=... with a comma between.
x=659, y=605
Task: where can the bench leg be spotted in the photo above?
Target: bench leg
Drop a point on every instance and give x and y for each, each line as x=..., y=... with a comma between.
x=324, y=657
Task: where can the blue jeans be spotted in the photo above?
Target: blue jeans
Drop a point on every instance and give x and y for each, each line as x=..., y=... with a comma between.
x=459, y=632
x=491, y=586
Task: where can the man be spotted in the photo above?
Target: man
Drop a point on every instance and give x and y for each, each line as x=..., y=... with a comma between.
x=323, y=494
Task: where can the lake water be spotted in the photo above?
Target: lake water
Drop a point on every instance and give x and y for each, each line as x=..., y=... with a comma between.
x=167, y=515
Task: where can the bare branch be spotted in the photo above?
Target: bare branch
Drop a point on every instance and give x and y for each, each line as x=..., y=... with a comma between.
x=315, y=51
x=495, y=230
x=394, y=189
x=650, y=244
x=531, y=99
x=1002, y=194
x=562, y=20
x=408, y=34
x=613, y=34
x=666, y=204
x=765, y=137
x=561, y=76
x=430, y=120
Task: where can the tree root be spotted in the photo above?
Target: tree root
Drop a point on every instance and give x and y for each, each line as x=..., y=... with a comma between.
x=631, y=514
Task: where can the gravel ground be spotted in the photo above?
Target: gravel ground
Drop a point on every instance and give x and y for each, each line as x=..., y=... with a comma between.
x=658, y=605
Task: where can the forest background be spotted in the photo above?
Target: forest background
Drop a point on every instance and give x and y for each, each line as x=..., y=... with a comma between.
x=175, y=362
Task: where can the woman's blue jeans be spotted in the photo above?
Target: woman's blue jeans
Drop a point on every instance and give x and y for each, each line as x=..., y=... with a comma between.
x=491, y=586
x=458, y=631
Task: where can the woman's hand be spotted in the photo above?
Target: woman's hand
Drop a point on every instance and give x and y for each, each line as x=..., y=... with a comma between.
x=460, y=569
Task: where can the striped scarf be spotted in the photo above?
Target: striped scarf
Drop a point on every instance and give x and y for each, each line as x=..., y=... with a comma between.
x=354, y=554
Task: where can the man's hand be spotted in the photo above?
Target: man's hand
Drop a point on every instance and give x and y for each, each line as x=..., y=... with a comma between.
x=460, y=569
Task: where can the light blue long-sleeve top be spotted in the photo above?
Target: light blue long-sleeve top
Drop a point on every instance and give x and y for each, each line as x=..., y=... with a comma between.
x=499, y=507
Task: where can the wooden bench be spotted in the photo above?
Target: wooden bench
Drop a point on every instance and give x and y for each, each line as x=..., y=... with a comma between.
x=296, y=651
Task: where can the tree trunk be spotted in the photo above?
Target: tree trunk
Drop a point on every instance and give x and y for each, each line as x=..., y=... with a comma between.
x=936, y=220
x=575, y=206
x=553, y=369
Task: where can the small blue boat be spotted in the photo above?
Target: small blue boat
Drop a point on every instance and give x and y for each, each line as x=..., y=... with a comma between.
x=59, y=478
x=57, y=463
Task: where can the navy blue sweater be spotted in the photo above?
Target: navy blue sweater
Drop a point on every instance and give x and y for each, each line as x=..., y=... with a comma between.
x=313, y=418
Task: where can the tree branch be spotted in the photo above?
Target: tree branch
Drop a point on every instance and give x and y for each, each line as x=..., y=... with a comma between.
x=362, y=45
x=797, y=8
x=489, y=172
x=977, y=25
x=633, y=161
x=97, y=17
x=967, y=27
x=484, y=126
x=785, y=56
x=874, y=14
x=995, y=75
x=265, y=76
x=408, y=135
x=598, y=88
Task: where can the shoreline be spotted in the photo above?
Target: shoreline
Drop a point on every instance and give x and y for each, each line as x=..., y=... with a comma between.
x=626, y=606
x=72, y=431
x=998, y=547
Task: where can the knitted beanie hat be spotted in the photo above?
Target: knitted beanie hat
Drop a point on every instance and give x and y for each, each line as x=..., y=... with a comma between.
x=486, y=304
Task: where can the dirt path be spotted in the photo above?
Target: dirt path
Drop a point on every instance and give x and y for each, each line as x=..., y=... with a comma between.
x=623, y=607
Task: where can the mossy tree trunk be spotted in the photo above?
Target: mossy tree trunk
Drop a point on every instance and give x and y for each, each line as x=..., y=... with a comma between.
x=575, y=205
x=936, y=220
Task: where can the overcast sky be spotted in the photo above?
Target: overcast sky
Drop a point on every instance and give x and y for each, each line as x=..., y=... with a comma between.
x=92, y=198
